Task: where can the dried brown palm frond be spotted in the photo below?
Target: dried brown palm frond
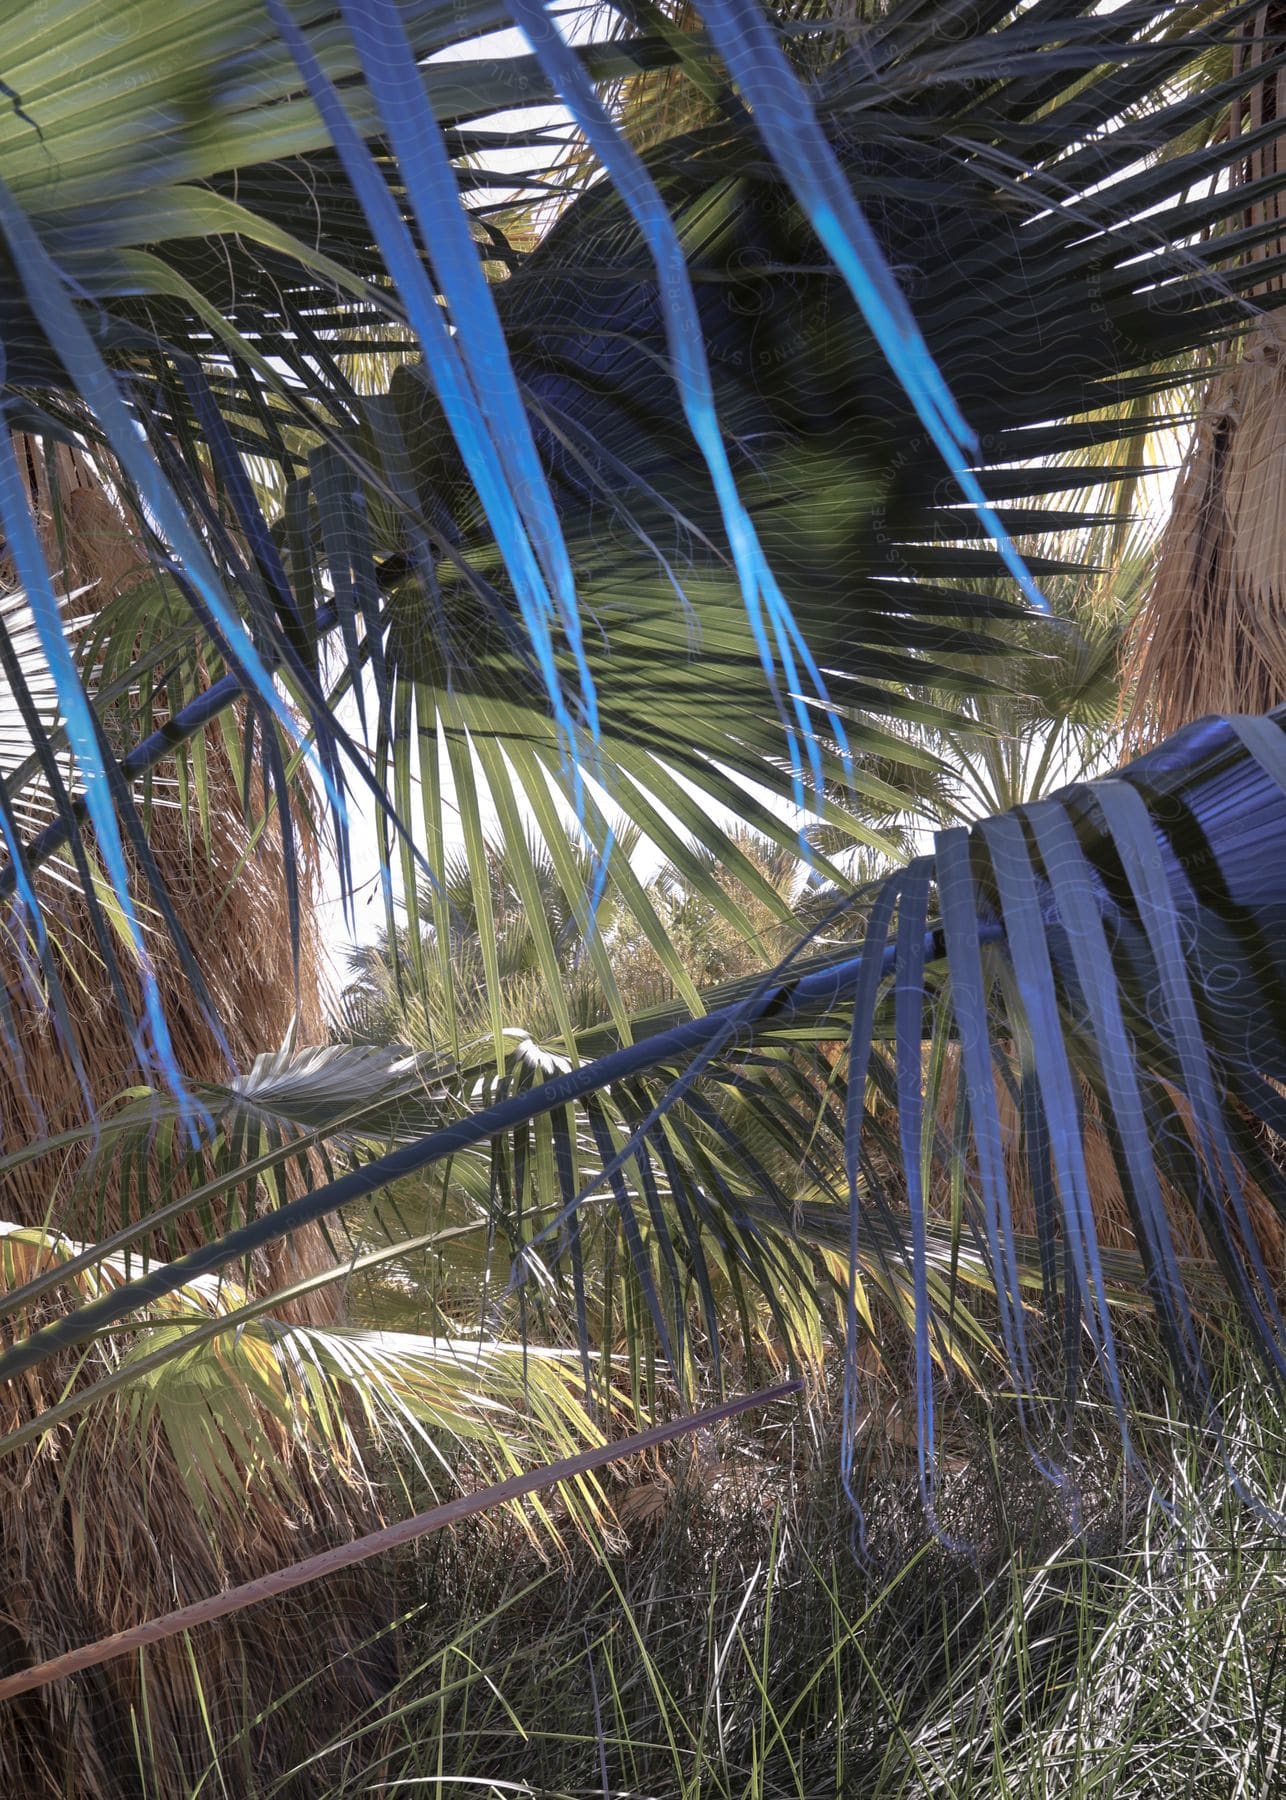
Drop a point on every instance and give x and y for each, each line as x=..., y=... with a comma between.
x=1211, y=636
x=1212, y=633
x=226, y=884
x=1112, y=1222
x=99, y=1530
x=234, y=1427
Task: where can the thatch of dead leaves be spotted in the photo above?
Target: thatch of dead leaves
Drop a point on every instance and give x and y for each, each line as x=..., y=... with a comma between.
x=100, y=1528
x=117, y=1537
x=1211, y=635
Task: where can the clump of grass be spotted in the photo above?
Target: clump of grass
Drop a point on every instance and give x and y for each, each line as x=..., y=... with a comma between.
x=1157, y=1666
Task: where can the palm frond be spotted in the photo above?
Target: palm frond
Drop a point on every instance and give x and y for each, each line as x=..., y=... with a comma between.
x=1117, y=940
x=225, y=318
x=237, y=1394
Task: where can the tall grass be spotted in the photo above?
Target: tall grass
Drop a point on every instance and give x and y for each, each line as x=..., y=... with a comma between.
x=727, y=1643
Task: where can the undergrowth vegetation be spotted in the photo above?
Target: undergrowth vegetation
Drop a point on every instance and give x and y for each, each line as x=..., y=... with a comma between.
x=732, y=1639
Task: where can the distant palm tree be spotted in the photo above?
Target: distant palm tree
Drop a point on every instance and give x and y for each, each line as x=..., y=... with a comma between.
x=498, y=914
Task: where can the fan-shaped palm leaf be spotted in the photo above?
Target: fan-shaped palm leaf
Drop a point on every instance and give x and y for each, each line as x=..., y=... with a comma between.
x=235, y=1392
x=217, y=323
x=1120, y=935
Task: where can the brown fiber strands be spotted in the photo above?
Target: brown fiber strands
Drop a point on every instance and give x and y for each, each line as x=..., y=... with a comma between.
x=99, y=1530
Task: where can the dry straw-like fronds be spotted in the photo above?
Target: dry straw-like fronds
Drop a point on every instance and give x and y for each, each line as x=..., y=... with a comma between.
x=1212, y=633
x=125, y=1538
x=1211, y=636
x=1113, y=1224
x=99, y=1530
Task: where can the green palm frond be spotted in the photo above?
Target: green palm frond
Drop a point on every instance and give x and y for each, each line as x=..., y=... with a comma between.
x=237, y=1394
x=195, y=245
x=1100, y=959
